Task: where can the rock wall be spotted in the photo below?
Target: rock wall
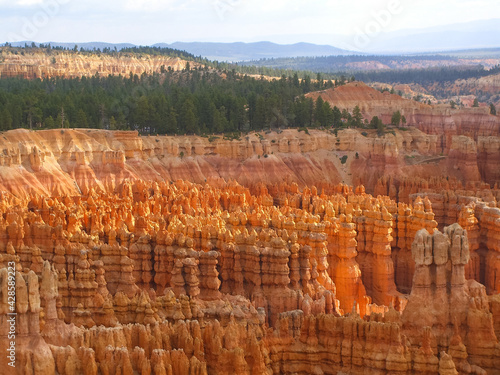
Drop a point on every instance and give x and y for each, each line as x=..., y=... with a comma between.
x=70, y=162
x=185, y=278
x=71, y=65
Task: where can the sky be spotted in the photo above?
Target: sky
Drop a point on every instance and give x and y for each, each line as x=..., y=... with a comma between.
x=336, y=22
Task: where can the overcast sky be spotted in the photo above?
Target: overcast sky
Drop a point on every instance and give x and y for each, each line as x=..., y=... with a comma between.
x=281, y=21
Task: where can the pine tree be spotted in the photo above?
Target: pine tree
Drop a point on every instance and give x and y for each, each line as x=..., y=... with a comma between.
x=220, y=121
x=171, y=122
x=493, y=110
x=396, y=118
x=81, y=119
x=112, y=123
x=188, y=121
x=5, y=120
x=319, y=117
x=357, y=117
x=337, y=116
x=260, y=116
x=49, y=122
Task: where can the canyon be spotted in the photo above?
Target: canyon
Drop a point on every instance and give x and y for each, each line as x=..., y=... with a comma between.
x=326, y=251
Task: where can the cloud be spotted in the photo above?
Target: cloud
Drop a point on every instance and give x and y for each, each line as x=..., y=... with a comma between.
x=149, y=5
x=151, y=21
x=28, y=2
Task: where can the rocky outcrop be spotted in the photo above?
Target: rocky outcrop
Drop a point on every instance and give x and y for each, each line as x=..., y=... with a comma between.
x=442, y=298
x=71, y=162
x=67, y=64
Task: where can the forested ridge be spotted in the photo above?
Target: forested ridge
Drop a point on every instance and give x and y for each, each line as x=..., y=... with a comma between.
x=349, y=65
x=193, y=101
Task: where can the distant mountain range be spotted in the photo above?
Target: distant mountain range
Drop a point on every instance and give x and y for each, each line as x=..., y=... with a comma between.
x=469, y=36
x=254, y=51
x=224, y=51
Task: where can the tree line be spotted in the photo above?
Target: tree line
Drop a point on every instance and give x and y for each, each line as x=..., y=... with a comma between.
x=193, y=101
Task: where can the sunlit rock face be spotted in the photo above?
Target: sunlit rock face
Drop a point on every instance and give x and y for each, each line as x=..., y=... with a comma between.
x=69, y=65
x=399, y=163
x=160, y=277
x=266, y=254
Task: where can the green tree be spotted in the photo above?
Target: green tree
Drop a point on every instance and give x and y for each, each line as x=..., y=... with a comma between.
x=252, y=102
x=112, y=123
x=121, y=121
x=5, y=120
x=493, y=110
x=171, y=122
x=187, y=118
x=377, y=123
x=357, y=117
x=306, y=84
x=319, y=115
x=81, y=119
x=336, y=116
x=49, y=122
x=347, y=116
x=319, y=78
x=278, y=119
x=220, y=120
x=260, y=115
x=141, y=113
x=476, y=103
x=396, y=118
x=453, y=104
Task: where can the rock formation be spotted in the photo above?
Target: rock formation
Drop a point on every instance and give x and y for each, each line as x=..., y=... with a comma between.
x=53, y=162
x=178, y=277
x=66, y=64
x=188, y=255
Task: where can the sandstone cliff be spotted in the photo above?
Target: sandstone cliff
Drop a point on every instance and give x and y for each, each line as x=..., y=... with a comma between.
x=72, y=161
x=71, y=65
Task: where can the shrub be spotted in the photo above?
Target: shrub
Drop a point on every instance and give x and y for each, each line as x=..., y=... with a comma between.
x=343, y=160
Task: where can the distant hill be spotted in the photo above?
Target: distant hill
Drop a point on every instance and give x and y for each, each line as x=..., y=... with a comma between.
x=472, y=60
x=253, y=51
x=493, y=53
x=232, y=52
